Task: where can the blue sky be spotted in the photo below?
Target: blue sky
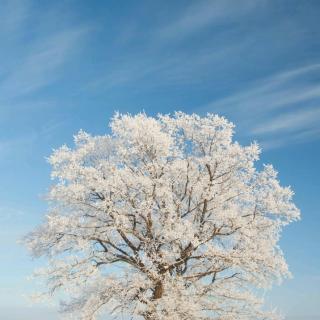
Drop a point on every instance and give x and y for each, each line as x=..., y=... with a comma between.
x=66, y=65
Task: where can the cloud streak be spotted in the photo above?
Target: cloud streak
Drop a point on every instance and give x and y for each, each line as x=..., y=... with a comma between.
x=203, y=14
x=182, y=64
x=280, y=109
x=290, y=122
x=41, y=65
x=277, y=91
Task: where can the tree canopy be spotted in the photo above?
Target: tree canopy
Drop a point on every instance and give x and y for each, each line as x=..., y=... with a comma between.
x=165, y=218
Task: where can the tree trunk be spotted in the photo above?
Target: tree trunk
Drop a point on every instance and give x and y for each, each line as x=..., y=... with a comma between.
x=157, y=294
x=158, y=290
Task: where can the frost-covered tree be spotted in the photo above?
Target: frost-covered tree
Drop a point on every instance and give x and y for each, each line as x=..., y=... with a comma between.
x=165, y=218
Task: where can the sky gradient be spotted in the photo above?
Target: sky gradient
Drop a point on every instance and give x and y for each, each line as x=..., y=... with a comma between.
x=69, y=65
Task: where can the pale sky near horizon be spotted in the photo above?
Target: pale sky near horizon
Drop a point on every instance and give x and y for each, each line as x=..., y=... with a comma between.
x=69, y=65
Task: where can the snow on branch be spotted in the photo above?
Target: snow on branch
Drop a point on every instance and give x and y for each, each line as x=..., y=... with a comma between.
x=165, y=218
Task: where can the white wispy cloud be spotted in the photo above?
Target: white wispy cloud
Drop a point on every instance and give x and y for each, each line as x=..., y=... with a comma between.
x=151, y=66
x=37, y=43
x=164, y=70
x=24, y=144
x=280, y=109
x=180, y=65
x=279, y=90
x=280, y=141
x=42, y=63
x=292, y=121
x=37, y=46
x=201, y=14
